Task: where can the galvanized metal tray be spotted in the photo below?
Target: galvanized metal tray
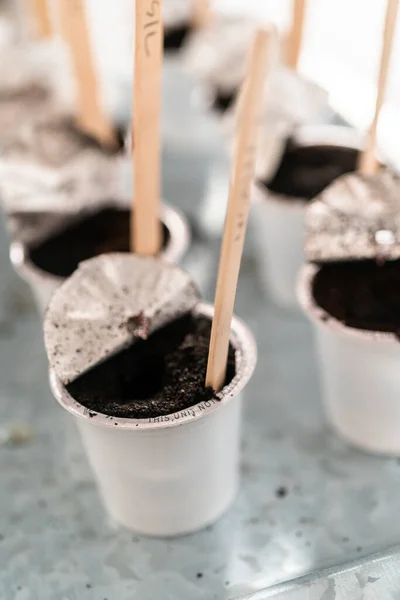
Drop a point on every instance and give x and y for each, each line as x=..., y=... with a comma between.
x=308, y=502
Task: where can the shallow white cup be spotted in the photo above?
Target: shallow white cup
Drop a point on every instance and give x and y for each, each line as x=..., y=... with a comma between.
x=43, y=284
x=175, y=474
x=360, y=376
x=277, y=220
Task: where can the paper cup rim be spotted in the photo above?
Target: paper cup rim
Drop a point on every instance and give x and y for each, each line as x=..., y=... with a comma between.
x=246, y=357
x=176, y=248
x=336, y=136
x=319, y=315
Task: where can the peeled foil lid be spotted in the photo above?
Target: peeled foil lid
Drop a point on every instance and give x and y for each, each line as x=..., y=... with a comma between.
x=34, y=78
x=52, y=142
x=177, y=12
x=355, y=218
x=295, y=99
x=43, y=63
x=107, y=303
x=50, y=166
x=218, y=54
x=290, y=102
x=8, y=32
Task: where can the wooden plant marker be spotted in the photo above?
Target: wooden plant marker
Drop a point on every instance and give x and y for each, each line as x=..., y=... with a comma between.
x=202, y=15
x=90, y=117
x=368, y=164
x=42, y=18
x=145, y=220
x=250, y=108
x=296, y=34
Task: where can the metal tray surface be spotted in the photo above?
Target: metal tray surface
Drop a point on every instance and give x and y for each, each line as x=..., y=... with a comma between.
x=308, y=502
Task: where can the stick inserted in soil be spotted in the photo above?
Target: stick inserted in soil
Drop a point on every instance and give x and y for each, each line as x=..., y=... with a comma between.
x=145, y=225
x=90, y=116
x=296, y=33
x=250, y=108
x=368, y=164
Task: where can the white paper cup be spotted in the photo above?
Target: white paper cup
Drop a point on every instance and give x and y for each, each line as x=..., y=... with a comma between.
x=278, y=227
x=175, y=474
x=278, y=221
x=360, y=376
x=43, y=284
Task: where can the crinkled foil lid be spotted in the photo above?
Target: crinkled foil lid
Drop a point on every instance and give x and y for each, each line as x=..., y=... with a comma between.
x=51, y=166
x=34, y=79
x=295, y=99
x=357, y=217
x=108, y=302
x=53, y=142
x=290, y=101
x=218, y=54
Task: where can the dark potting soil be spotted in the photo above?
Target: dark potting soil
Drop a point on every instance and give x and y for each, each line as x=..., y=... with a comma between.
x=175, y=37
x=361, y=294
x=306, y=172
x=223, y=101
x=154, y=377
x=107, y=230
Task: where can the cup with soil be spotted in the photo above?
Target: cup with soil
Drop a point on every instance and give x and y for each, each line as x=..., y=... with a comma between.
x=314, y=157
x=48, y=247
x=164, y=448
x=351, y=294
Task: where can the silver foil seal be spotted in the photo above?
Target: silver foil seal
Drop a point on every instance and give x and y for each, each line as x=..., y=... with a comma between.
x=217, y=55
x=290, y=102
x=107, y=303
x=34, y=79
x=51, y=166
x=355, y=218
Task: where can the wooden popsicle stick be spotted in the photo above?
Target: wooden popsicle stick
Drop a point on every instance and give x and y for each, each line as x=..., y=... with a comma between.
x=202, y=15
x=295, y=37
x=368, y=164
x=250, y=107
x=90, y=117
x=145, y=220
x=42, y=18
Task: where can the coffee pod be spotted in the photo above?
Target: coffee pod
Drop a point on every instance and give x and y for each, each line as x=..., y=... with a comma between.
x=48, y=246
x=51, y=159
x=351, y=295
x=313, y=158
x=164, y=448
